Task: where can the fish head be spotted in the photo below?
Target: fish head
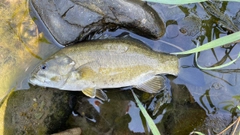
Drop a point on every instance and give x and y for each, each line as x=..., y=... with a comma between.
x=53, y=72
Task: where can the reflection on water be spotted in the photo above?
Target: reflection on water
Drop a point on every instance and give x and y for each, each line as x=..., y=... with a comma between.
x=210, y=97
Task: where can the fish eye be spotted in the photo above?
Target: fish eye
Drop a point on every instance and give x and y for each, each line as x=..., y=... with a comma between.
x=43, y=67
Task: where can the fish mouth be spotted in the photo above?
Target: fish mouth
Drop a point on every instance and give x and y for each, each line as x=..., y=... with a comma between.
x=32, y=80
x=36, y=80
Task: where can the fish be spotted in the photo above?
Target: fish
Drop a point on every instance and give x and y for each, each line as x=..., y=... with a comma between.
x=103, y=64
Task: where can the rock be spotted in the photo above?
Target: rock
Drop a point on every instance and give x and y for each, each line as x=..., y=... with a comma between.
x=97, y=117
x=190, y=25
x=73, y=131
x=36, y=111
x=183, y=108
x=215, y=123
x=74, y=20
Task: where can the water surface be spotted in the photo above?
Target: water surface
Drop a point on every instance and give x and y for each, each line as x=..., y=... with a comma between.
x=197, y=99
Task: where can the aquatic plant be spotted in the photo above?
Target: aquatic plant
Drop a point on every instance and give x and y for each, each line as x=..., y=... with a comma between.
x=149, y=120
x=235, y=37
x=236, y=123
x=232, y=38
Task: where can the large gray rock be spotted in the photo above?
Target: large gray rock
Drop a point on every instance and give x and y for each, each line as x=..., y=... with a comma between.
x=73, y=20
x=36, y=111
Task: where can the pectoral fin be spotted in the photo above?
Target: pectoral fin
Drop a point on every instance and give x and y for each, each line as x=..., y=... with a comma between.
x=153, y=85
x=92, y=93
x=89, y=70
x=93, y=65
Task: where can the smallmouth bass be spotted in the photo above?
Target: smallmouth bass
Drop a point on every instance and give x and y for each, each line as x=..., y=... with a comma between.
x=94, y=65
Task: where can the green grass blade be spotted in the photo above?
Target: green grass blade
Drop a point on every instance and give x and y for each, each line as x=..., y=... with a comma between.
x=238, y=107
x=175, y=2
x=215, y=43
x=217, y=67
x=180, y=2
x=196, y=132
x=149, y=120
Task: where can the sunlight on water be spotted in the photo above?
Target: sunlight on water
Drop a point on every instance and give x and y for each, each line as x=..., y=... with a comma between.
x=21, y=48
x=19, y=45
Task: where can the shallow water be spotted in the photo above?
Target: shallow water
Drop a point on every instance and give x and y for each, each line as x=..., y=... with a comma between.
x=22, y=45
x=198, y=100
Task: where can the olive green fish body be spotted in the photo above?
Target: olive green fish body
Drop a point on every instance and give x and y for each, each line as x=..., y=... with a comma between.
x=106, y=64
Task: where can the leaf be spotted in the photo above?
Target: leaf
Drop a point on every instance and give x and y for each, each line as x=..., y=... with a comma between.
x=238, y=107
x=237, y=97
x=197, y=132
x=149, y=120
x=215, y=43
x=228, y=107
x=217, y=67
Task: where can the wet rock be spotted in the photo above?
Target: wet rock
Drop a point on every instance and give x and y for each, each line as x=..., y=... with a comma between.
x=36, y=111
x=185, y=114
x=190, y=25
x=215, y=123
x=73, y=20
x=73, y=131
x=108, y=118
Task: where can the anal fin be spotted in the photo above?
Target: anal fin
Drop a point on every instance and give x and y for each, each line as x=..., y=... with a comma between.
x=153, y=85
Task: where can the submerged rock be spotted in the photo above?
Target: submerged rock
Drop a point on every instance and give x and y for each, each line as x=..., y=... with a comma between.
x=36, y=111
x=106, y=118
x=73, y=131
x=190, y=25
x=73, y=20
x=184, y=114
